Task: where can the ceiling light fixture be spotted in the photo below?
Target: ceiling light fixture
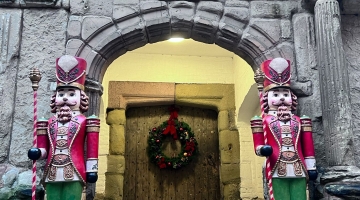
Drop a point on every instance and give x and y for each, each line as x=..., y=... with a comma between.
x=176, y=39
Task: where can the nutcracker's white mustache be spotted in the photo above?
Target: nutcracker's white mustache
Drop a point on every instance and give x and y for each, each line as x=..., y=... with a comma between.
x=66, y=103
x=281, y=103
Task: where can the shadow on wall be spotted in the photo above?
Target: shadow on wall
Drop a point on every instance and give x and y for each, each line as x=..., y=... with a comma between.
x=250, y=105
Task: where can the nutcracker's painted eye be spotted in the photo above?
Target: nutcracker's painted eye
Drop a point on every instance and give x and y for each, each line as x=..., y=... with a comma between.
x=61, y=94
x=275, y=95
x=72, y=94
x=286, y=95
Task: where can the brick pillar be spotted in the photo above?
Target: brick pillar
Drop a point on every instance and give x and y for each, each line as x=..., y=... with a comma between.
x=334, y=84
x=114, y=176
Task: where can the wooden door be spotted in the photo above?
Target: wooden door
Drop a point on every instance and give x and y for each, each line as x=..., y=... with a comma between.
x=144, y=180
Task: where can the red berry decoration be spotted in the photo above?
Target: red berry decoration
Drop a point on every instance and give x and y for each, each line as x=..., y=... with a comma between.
x=169, y=163
x=157, y=141
x=154, y=129
x=181, y=129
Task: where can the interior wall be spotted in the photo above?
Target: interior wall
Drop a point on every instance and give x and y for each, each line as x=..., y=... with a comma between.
x=149, y=67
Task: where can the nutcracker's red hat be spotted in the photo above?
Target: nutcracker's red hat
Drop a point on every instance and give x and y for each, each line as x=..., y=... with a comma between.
x=277, y=73
x=70, y=72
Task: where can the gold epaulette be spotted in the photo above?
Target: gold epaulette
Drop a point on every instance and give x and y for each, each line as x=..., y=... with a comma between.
x=306, y=123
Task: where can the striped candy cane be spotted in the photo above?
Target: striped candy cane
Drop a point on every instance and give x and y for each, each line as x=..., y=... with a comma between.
x=33, y=188
x=259, y=78
x=35, y=78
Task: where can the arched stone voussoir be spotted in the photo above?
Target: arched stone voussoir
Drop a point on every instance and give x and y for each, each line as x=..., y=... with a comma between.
x=265, y=32
x=74, y=47
x=231, y=27
x=94, y=25
x=157, y=20
x=182, y=18
x=206, y=21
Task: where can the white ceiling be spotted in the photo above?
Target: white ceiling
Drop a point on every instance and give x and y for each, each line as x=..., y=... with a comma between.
x=185, y=47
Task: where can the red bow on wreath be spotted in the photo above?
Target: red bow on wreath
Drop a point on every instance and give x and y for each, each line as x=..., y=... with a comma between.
x=171, y=123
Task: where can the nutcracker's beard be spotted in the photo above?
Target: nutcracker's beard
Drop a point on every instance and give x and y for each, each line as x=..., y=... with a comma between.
x=64, y=114
x=283, y=113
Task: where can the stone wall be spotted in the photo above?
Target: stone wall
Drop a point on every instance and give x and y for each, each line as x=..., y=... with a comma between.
x=351, y=38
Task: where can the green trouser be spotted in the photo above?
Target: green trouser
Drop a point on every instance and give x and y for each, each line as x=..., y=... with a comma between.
x=289, y=188
x=64, y=190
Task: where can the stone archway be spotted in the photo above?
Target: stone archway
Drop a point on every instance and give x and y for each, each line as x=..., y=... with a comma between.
x=254, y=37
x=263, y=33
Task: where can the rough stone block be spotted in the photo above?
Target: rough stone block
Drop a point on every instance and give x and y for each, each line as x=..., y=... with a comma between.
x=10, y=21
x=74, y=27
x=74, y=46
x=305, y=46
x=286, y=29
x=182, y=14
x=231, y=191
x=117, y=138
x=40, y=52
x=40, y=3
x=266, y=31
x=91, y=7
x=104, y=37
x=116, y=164
x=302, y=89
x=237, y=3
x=229, y=147
x=65, y=4
x=116, y=117
x=140, y=93
x=77, y=7
x=133, y=33
x=206, y=21
x=223, y=120
x=9, y=177
x=231, y=26
x=114, y=186
x=92, y=25
x=107, y=41
x=157, y=20
x=272, y=9
x=126, y=2
x=230, y=173
x=10, y=26
x=287, y=51
x=350, y=7
x=213, y=96
x=122, y=13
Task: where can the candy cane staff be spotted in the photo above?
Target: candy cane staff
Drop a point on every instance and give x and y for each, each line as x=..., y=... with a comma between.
x=33, y=153
x=284, y=138
x=61, y=139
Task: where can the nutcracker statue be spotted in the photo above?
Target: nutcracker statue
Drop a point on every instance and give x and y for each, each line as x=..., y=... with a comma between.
x=284, y=138
x=61, y=139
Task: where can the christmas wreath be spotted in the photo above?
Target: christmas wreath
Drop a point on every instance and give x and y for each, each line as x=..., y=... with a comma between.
x=178, y=130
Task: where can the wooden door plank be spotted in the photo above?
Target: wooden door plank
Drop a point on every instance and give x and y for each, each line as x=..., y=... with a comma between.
x=132, y=124
x=213, y=157
x=143, y=167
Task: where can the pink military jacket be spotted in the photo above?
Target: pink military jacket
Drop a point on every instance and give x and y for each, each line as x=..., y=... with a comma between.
x=76, y=141
x=302, y=140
